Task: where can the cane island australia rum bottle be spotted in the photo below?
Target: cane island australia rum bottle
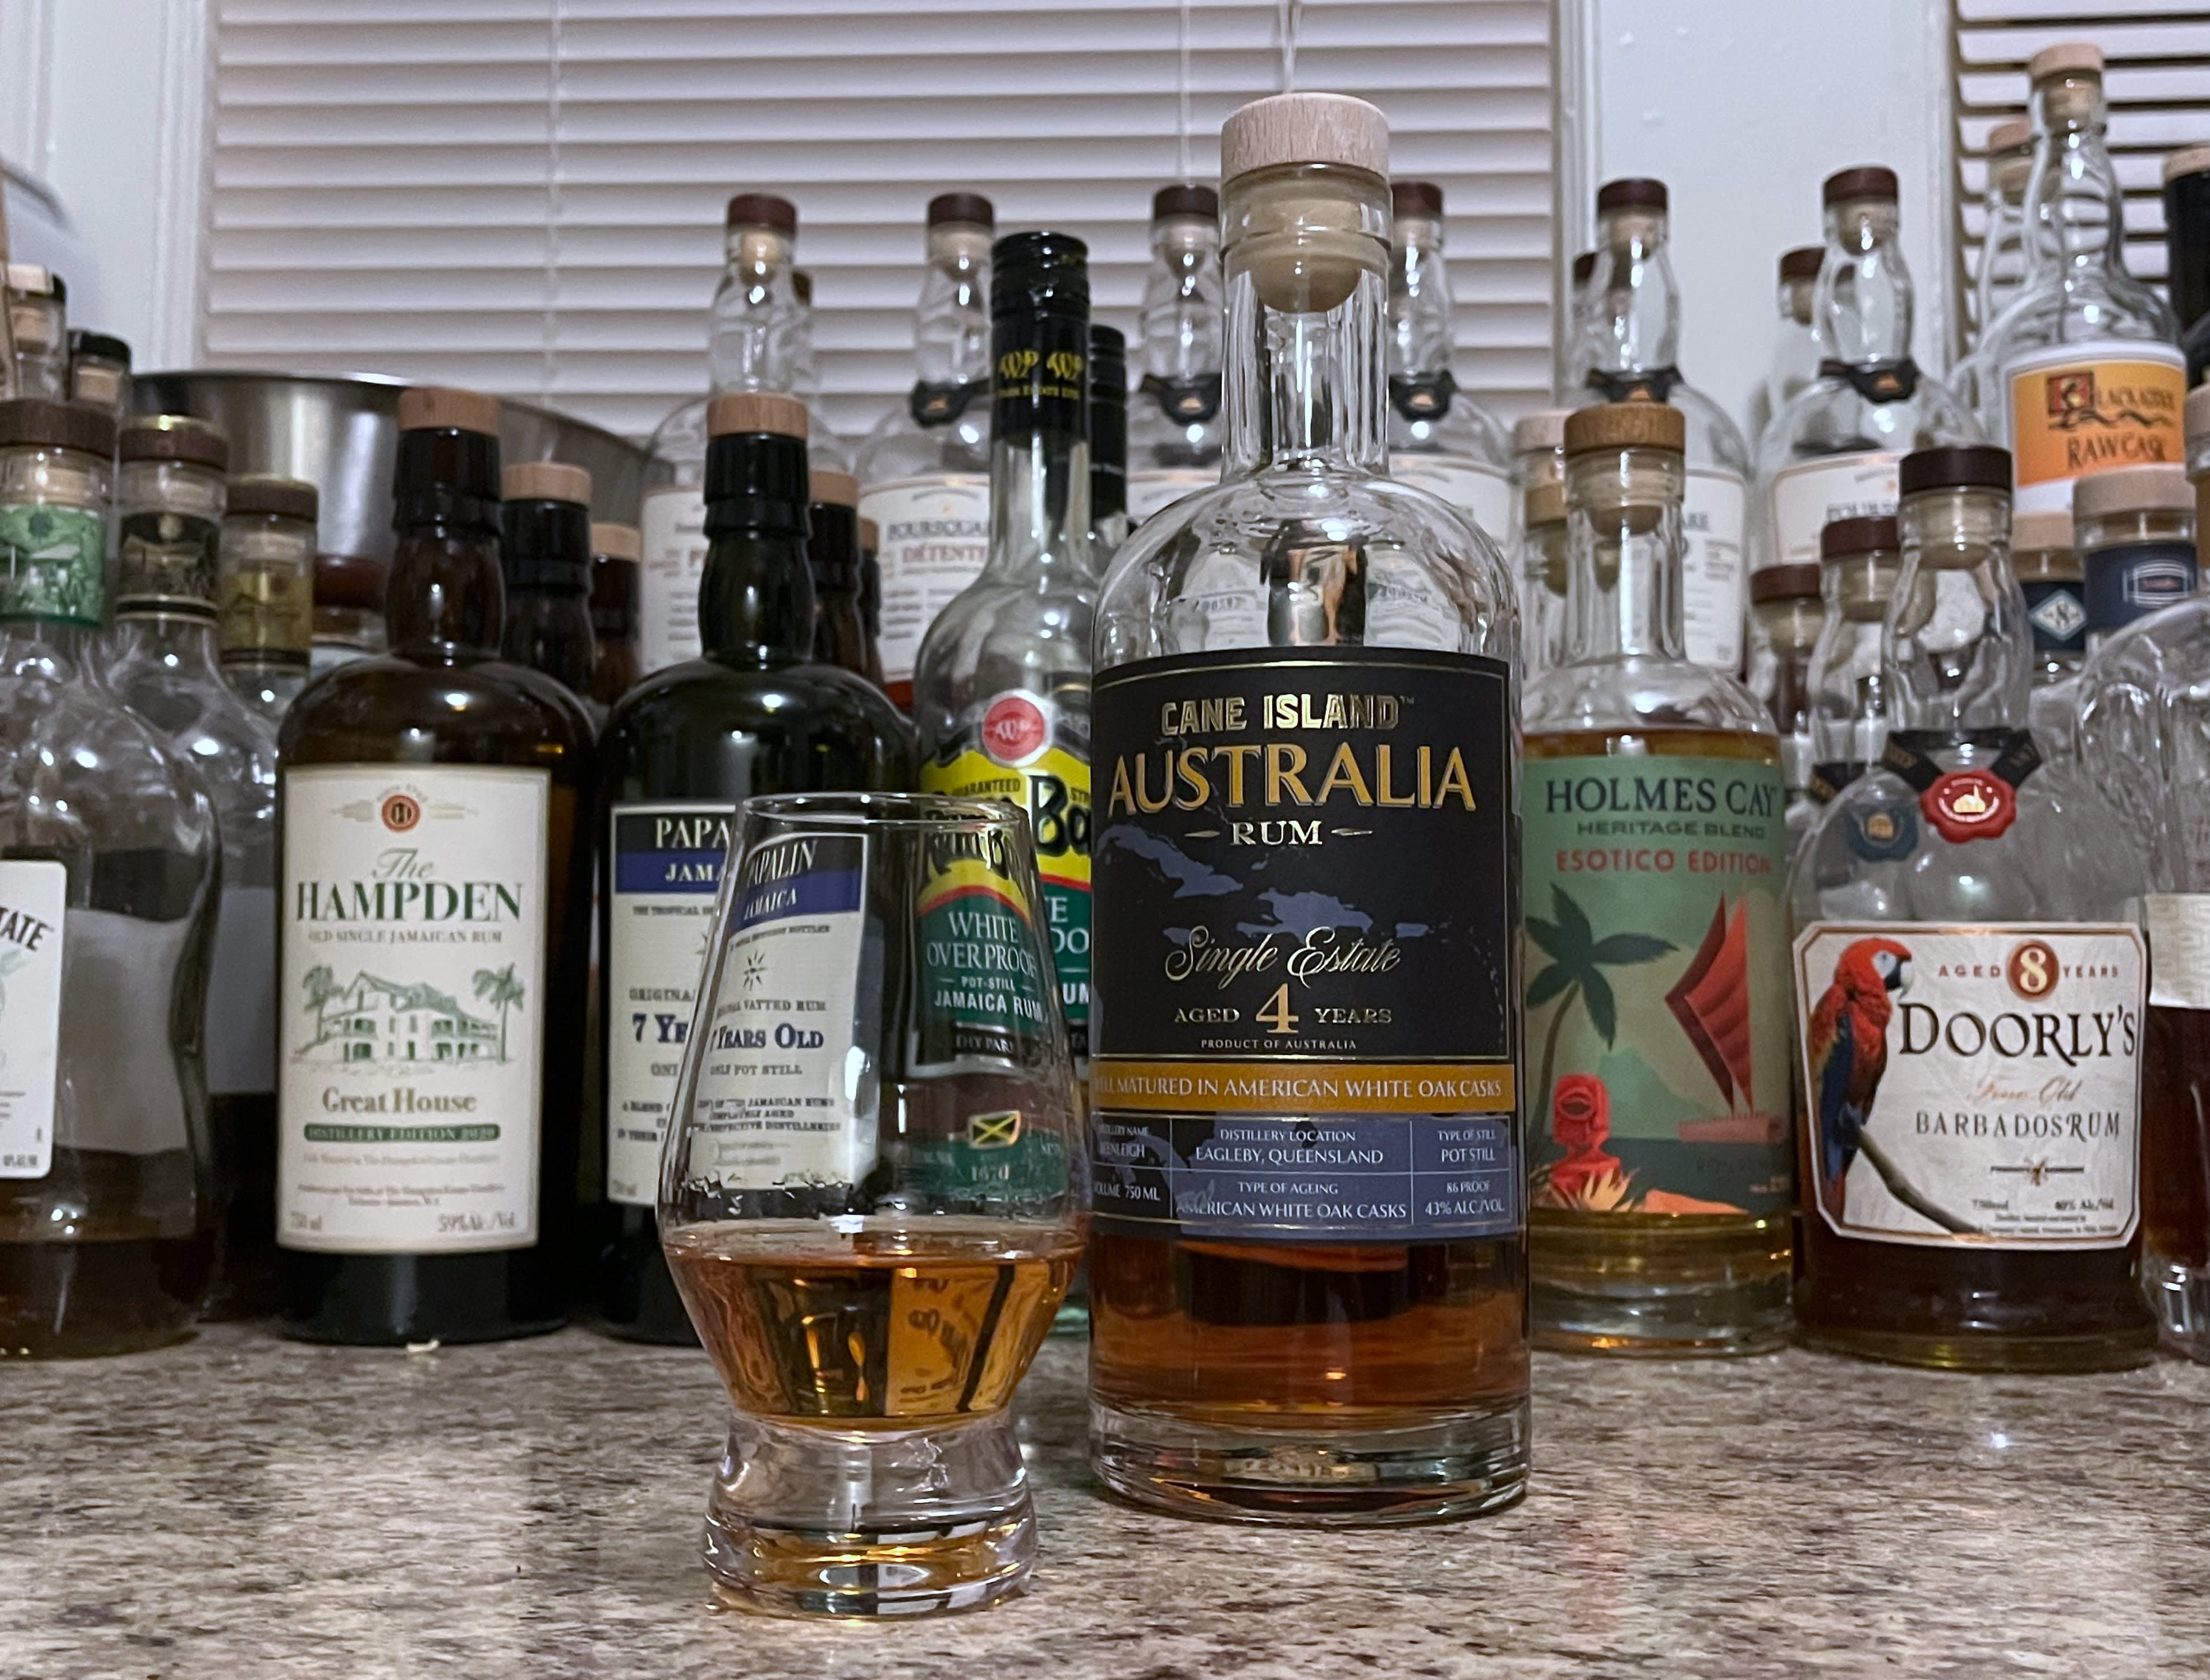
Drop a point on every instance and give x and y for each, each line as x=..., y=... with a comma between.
x=1308, y=1289
x=432, y=942
x=1657, y=989
x=109, y=856
x=754, y=714
x=1001, y=697
x=1970, y=993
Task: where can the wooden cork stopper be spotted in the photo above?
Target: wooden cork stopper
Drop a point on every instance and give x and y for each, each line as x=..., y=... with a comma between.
x=617, y=542
x=2194, y=160
x=756, y=411
x=2010, y=136
x=1543, y=428
x=1305, y=128
x=871, y=534
x=545, y=481
x=1626, y=425
x=2065, y=58
x=2152, y=488
x=2042, y=530
x=1545, y=504
x=448, y=409
x=840, y=489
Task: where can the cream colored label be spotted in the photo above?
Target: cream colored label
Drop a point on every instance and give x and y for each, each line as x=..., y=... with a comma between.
x=1714, y=578
x=33, y=898
x=935, y=537
x=412, y=1007
x=1148, y=491
x=1810, y=495
x=673, y=533
x=1973, y=1085
x=2178, y=949
x=1472, y=487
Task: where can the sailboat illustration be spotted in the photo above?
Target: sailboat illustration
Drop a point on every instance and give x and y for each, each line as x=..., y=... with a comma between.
x=1711, y=1001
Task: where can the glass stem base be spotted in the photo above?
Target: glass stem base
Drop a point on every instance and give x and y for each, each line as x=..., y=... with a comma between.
x=2179, y=1294
x=1312, y=1473
x=864, y=1523
x=1659, y=1289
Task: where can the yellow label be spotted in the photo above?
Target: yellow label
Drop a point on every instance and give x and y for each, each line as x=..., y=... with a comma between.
x=2081, y=413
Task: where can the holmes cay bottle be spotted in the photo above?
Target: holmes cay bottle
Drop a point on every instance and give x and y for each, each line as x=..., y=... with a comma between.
x=1308, y=1279
x=431, y=942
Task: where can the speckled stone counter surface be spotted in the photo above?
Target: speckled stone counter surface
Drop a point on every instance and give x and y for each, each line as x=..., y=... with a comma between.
x=242, y=1507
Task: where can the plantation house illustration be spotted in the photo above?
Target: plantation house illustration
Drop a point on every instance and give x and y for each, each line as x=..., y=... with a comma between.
x=373, y=1019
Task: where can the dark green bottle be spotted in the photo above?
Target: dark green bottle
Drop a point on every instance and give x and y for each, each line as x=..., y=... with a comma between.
x=754, y=714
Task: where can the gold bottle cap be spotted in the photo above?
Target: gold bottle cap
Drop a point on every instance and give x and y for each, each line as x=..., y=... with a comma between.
x=545, y=481
x=1656, y=425
x=2155, y=487
x=838, y=489
x=617, y=542
x=1305, y=128
x=448, y=409
x=756, y=411
x=2065, y=58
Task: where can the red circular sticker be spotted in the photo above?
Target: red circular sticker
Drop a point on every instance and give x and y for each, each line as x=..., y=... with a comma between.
x=1969, y=804
x=1015, y=729
x=401, y=811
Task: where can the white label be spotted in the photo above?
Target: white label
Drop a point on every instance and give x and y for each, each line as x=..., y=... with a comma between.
x=2178, y=949
x=673, y=535
x=666, y=870
x=412, y=1007
x=1811, y=495
x=33, y=897
x=784, y=1097
x=1974, y=1084
x=1714, y=579
x=935, y=537
x=1152, y=490
x=1472, y=487
x=241, y=996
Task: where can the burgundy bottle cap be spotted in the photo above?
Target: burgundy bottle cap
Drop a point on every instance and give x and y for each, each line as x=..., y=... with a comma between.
x=1634, y=193
x=1186, y=198
x=1845, y=538
x=1802, y=262
x=349, y=580
x=1867, y=180
x=177, y=437
x=1798, y=581
x=39, y=422
x=967, y=207
x=267, y=493
x=1416, y=198
x=763, y=209
x=1954, y=467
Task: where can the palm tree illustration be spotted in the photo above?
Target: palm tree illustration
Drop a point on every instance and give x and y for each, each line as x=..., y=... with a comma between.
x=320, y=985
x=498, y=987
x=1575, y=974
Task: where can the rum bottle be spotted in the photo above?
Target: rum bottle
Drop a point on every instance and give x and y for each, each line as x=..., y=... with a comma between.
x=1175, y=427
x=546, y=521
x=615, y=550
x=268, y=587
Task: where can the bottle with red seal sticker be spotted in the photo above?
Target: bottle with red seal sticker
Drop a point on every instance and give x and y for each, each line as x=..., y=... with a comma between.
x=1970, y=998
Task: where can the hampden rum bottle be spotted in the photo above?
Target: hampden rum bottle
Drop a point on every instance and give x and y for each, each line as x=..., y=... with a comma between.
x=1657, y=943
x=1308, y=1285
x=109, y=857
x=432, y=942
x=1971, y=992
x=755, y=714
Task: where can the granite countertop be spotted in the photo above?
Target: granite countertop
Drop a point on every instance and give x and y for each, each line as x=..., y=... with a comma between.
x=242, y=1507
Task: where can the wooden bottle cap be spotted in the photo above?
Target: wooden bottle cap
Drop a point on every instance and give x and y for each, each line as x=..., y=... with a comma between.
x=1626, y=425
x=1305, y=128
x=2195, y=415
x=871, y=534
x=2010, y=136
x=545, y=481
x=2065, y=58
x=1544, y=505
x=756, y=411
x=2194, y=160
x=1540, y=428
x=448, y=409
x=2157, y=486
x=838, y=489
x=617, y=542
x=2041, y=530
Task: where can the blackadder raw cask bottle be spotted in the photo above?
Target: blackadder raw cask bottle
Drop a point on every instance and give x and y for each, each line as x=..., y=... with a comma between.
x=432, y=942
x=1308, y=1287
x=1001, y=696
x=1656, y=943
x=754, y=714
x=1970, y=993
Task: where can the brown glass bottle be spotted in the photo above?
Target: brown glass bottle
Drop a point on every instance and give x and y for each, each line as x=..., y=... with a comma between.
x=428, y=1086
x=615, y=586
x=840, y=635
x=547, y=557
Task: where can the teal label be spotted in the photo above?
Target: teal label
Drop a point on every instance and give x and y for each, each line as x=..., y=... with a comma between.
x=1658, y=990
x=1001, y=1158
x=53, y=563
x=984, y=996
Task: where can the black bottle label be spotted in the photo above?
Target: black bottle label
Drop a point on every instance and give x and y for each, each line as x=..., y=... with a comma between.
x=1042, y=375
x=1304, y=959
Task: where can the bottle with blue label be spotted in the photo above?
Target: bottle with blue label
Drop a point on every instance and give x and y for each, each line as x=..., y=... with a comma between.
x=2135, y=530
x=754, y=714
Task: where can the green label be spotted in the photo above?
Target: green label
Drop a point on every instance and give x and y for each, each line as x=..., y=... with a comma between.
x=53, y=563
x=1001, y=1158
x=1657, y=988
x=984, y=995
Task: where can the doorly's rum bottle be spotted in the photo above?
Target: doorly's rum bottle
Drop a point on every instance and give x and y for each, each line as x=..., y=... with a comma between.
x=1309, y=1279
x=431, y=942
x=755, y=713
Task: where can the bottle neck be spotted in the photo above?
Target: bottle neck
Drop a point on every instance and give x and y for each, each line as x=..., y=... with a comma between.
x=187, y=642
x=1863, y=306
x=755, y=600
x=1040, y=450
x=1624, y=515
x=1306, y=380
x=1419, y=300
x=446, y=595
x=1181, y=320
x=953, y=329
x=1956, y=650
x=1635, y=303
x=2074, y=213
x=757, y=328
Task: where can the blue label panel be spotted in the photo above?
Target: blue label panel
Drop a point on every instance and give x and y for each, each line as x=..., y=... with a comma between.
x=810, y=875
x=670, y=849
x=2131, y=581
x=1344, y=1178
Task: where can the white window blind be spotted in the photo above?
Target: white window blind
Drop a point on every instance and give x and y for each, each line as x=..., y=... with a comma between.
x=526, y=195
x=2156, y=78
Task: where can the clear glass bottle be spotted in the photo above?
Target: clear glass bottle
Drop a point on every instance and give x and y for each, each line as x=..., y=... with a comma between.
x=1795, y=339
x=1971, y=985
x=1001, y=692
x=824, y=448
x=1109, y=442
x=1786, y=601
x=1860, y=565
x=100, y=372
x=109, y=861
x=1439, y=438
x=267, y=590
x=164, y=662
x=1830, y=453
x=1175, y=429
x=37, y=312
x=1546, y=626
x=435, y=788
x=2003, y=258
x=1653, y=811
x=1629, y=346
x=2085, y=372
x=545, y=553
x=924, y=469
x=755, y=713
x=348, y=610
x=1538, y=457
x=2134, y=530
x=615, y=552
x=2048, y=568
x=1306, y=637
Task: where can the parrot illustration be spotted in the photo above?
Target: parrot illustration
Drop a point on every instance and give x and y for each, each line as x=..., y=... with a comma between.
x=1848, y=1053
